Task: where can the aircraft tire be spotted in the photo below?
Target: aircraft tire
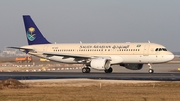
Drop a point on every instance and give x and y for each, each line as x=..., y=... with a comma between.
x=108, y=70
x=83, y=70
x=151, y=71
x=86, y=70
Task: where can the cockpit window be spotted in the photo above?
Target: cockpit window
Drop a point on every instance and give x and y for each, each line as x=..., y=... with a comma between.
x=164, y=49
x=160, y=49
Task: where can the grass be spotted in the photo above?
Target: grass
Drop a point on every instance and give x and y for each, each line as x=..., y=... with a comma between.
x=164, y=91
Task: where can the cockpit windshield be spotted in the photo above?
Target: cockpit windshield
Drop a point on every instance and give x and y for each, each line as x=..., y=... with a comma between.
x=164, y=49
x=160, y=49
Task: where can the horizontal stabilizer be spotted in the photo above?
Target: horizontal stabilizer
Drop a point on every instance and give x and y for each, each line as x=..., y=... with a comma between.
x=27, y=50
x=20, y=48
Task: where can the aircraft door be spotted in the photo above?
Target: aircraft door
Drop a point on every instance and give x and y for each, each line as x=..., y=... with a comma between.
x=146, y=50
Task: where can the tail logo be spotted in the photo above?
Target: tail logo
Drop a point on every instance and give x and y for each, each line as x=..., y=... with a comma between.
x=30, y=34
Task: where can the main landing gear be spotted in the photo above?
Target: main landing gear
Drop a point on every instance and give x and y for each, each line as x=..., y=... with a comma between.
x=86, y=69
x=108, y=70
x=150, y=68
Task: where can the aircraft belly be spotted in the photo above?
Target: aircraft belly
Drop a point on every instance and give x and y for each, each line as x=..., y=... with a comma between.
x=142, y=59
x=116, y=59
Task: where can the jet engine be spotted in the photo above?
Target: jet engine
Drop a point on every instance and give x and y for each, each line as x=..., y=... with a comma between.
x=132, y=66
x=100, y=64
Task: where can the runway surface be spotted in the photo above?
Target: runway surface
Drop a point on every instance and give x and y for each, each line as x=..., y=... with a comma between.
x=95, y=75
x=163, y=72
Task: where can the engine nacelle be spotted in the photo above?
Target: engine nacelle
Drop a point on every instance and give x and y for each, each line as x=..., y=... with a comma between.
x=100, y=64
x=132, y=66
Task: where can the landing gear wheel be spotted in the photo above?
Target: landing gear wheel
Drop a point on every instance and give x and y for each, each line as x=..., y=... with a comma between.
x=151, y=71
x=150, y=68
x=108, y=70
x=86, y=70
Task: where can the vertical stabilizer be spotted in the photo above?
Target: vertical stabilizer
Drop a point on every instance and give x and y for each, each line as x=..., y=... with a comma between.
x=33, y=34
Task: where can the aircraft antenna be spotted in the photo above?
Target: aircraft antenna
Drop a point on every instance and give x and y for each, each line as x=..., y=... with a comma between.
x=149, y=41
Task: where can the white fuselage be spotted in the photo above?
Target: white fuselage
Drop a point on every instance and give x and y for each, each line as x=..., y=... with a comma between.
x=117, y=52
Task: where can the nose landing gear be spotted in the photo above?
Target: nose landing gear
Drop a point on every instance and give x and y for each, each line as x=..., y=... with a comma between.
x=150, y=68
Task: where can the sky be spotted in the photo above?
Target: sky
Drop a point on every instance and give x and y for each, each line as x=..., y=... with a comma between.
x=92, y=21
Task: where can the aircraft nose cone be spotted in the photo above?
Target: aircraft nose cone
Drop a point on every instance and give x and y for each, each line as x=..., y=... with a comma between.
x=170, y=56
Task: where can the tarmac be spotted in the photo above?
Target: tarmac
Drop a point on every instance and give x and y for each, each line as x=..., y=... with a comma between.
x=163, y=72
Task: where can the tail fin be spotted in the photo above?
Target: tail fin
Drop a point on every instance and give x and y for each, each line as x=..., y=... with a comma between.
x=33, y=34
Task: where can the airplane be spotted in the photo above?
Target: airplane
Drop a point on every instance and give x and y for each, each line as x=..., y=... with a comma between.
x=98, y=56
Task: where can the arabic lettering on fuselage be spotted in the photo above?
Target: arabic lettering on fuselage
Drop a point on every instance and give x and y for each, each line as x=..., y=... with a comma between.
x=104, y=46
x=121, y=46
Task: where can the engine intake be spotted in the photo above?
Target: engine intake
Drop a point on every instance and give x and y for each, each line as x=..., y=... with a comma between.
x=100, y=64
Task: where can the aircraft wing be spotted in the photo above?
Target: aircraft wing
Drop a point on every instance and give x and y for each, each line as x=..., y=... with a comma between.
x=75, y=56
x=68, y=55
